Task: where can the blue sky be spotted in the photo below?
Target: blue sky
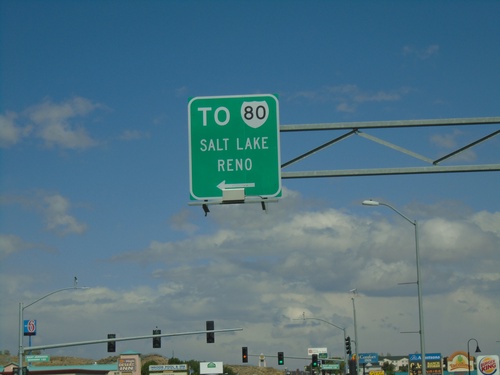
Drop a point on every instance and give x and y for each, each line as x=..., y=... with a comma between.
x=95, y=175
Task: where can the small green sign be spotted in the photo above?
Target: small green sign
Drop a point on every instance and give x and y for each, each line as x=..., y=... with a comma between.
x=37, y=358
x=234, y=144
x=330, y=366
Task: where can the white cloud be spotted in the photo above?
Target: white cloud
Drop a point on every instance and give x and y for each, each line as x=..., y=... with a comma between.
x=324, y=250
x=487, y=221
x=54, y=123
x=57, y=218
x=348, y=97
x=53, y=207
x=181, y=222
x=259, y=271
x=421, y=53
x=10, y=244
x=450, y=142
x=10, y=132
x=131, y=135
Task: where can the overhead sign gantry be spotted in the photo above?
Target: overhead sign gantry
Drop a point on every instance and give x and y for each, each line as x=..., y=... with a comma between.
x=234, y=149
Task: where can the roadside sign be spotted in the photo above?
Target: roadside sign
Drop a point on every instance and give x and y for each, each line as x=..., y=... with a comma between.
x=30, y=327
x=319, y=351
x=168, y=368
x=211, y=368
x=234, y=145
x=37, y=358
x=127, y=365
x=368, y=358
x=487, y=364
x=417, y=357
x=330, y=366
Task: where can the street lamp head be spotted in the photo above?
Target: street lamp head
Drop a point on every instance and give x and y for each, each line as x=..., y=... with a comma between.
x=370, y=202
x=477, y=345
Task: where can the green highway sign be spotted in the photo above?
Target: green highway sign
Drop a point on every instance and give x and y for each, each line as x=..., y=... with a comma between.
x=37, y=358
x=330, y=366
x=234, y=145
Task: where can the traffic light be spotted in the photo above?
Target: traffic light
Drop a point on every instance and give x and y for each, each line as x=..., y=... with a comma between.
x=244, y=354
x=348, y=345
x=281, y=358
x=157, y=340
x=314, y=360
x=210, y=335
x=111, y=344
x=24, y=371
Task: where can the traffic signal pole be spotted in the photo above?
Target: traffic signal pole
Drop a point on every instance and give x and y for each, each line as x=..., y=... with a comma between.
x=91, y=342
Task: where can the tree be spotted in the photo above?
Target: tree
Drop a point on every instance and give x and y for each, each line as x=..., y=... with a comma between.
x=145, y=367
x=228, y=370
x=194, y=366
x=388, y=368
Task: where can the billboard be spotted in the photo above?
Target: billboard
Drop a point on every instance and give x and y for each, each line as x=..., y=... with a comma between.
x=432, y=363
x=459, y=361
x=211, y=368
x=487, y=365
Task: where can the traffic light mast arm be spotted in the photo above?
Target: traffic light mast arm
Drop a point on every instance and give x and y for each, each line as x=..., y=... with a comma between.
x=38, y=347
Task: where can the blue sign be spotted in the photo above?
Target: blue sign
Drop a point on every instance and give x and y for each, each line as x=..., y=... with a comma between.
x=30, y=327
x=368, y=358
x=417, y=357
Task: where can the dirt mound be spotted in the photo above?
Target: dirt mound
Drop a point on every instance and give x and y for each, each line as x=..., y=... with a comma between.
x=252, y=370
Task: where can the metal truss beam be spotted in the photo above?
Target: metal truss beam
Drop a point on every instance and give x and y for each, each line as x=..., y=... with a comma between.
x=354, y=129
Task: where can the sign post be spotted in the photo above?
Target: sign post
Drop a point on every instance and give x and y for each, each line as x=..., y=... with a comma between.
x=234, y=147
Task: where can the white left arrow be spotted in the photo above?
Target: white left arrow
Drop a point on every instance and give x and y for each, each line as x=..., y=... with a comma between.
x=223, y=185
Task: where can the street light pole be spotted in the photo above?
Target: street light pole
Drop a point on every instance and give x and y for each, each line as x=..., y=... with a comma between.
x=419, y=285
x=336, y=326
x=354, y=291
x=21, y=320
x=468, y=354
